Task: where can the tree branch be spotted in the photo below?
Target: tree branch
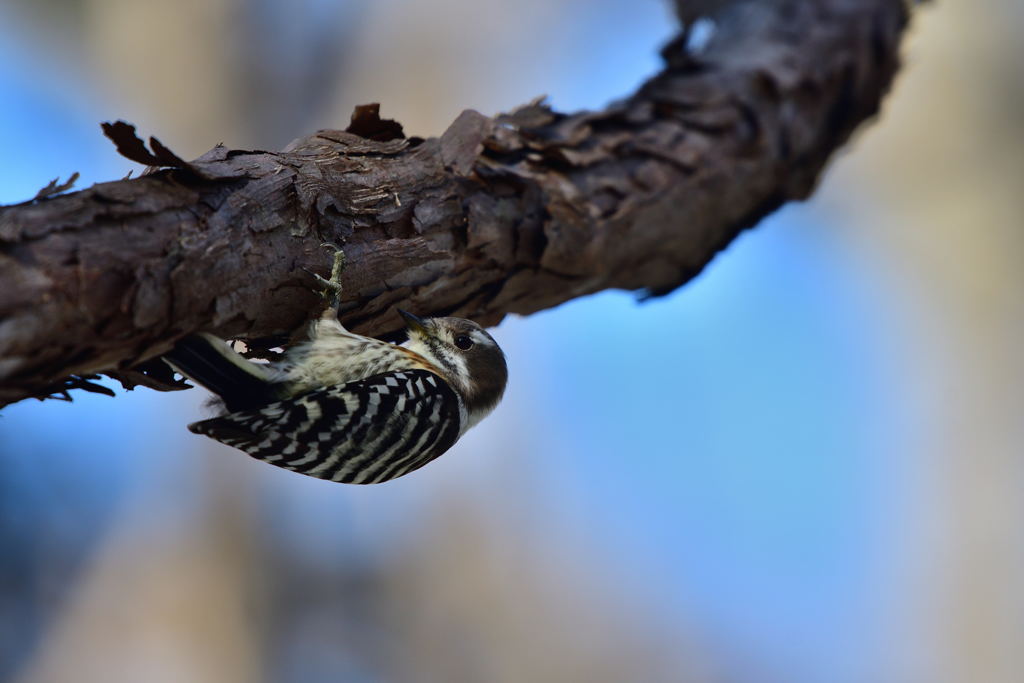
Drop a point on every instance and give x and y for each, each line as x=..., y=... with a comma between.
x=512, y=214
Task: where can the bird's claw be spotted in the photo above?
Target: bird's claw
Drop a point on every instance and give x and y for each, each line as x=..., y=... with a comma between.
x=331, y=287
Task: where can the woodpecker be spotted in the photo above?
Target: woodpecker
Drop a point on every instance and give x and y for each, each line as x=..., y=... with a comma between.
x=349, y=408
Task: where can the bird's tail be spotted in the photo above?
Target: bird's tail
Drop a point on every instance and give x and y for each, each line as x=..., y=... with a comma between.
x=209, y=361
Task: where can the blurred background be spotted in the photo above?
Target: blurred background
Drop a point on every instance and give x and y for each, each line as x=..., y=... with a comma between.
x=804, y=466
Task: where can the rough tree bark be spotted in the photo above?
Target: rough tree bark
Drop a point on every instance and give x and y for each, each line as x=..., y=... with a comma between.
x=509, y=214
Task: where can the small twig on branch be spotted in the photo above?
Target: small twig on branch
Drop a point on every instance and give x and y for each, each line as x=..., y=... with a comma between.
x=509, y=214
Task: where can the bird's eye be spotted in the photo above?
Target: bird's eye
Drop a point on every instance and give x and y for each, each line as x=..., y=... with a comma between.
x=463, y=342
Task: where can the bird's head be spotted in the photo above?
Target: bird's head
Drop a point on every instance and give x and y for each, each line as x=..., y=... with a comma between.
x=467, y=355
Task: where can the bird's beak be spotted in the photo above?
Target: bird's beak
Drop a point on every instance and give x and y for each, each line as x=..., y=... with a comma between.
x=414, y=323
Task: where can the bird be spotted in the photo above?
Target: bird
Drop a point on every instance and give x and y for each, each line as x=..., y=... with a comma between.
x=348, y=408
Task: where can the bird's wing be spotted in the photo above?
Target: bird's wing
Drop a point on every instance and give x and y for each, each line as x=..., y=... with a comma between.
x=363, y=432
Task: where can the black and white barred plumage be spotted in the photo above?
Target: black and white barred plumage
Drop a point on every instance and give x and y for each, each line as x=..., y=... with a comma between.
x=363, y=432
x=349, y=408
